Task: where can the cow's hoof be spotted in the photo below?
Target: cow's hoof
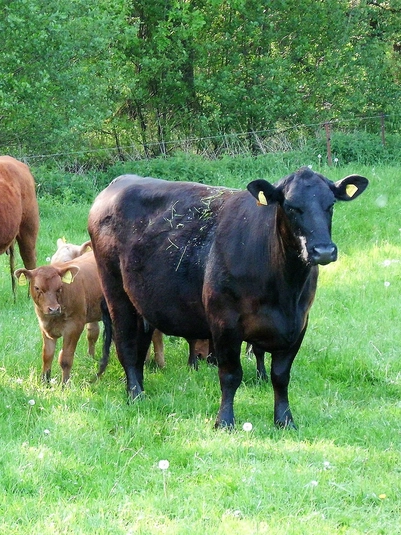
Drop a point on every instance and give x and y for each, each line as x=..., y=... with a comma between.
x=287, y=424
x=134, y=394
x=226, y=426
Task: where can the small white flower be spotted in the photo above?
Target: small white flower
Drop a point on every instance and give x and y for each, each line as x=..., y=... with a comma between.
x=313, y=483
x=46, y=432
x=163, y=465
x=327, y=465
x=31, y=402
x=247, y=426
x=387, y=284
x=335, y=160
x=319, y=156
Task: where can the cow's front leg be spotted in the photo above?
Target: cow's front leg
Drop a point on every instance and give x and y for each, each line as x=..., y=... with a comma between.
x=48, y=349
x=66, y=355
x=280, y=377
x=228, y=350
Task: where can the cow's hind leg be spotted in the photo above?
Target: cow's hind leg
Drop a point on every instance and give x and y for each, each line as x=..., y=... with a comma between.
x=125, y=321
x=92, y=334
x=260, y=362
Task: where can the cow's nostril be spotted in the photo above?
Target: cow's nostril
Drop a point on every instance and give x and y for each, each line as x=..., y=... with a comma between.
x=324, y=254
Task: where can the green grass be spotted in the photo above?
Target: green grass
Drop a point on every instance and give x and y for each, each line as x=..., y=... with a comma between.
x=82, y=460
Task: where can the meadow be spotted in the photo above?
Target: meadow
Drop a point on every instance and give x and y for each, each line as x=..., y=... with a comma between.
x=81, y=460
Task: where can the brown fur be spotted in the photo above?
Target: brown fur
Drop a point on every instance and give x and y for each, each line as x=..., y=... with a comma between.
x=63, y=309
x=19, y=212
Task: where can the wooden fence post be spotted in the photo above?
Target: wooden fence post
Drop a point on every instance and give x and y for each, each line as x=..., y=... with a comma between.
x=328, y=142
x=383, y=133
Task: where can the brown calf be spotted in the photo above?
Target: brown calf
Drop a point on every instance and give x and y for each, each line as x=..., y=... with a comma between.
x=69, y=251
x=66, y=297
x=19, y=213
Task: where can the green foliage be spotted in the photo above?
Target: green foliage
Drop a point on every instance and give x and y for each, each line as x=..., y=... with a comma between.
x=81, y=460
x=135, y=77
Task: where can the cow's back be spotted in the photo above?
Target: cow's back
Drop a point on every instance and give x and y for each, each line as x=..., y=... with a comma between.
x=150, y=232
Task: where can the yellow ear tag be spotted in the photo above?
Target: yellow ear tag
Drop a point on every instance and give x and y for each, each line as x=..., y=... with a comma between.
x=63, y=239
x=351, y=189
x=88, y=248
x=22, y=280
x=67, y=277
x=261, y=198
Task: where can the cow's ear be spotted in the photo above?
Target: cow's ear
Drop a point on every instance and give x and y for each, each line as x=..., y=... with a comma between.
x=60, y=242
x=86, y=247
x=68, y=275
x=263, y=191
x=350, y=187
x=22, y=275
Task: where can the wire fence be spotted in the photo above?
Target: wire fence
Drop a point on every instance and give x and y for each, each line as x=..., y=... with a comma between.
x=379, y=127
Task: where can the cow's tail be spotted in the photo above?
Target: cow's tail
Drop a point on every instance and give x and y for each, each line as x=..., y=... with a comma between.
x=107, y=337
x=10, y=252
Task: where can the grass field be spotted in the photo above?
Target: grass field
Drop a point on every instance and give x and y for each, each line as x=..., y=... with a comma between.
x=83, y=461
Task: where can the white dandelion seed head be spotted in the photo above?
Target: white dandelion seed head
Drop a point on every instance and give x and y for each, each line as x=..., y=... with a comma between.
x=46, y=432
x=247, y=426
x=381, y=201
x=164, y=464
x=31, y=402
x=387, y=284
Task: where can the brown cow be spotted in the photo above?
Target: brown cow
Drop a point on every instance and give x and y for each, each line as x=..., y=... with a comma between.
x=19, y=212
x=66, y=297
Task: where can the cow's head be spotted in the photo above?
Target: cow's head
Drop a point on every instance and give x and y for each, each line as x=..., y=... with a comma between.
x=46, y=286
x=307, y=199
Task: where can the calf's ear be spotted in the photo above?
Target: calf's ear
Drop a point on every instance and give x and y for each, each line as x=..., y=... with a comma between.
x=263, y=191
x=22, y=275
x=350, y=187
x=68, y=274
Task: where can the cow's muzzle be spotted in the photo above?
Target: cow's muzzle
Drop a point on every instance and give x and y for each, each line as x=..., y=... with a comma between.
x=323, y=254
x=53, y=311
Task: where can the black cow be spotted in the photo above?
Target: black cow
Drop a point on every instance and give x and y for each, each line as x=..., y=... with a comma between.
x=209, y=262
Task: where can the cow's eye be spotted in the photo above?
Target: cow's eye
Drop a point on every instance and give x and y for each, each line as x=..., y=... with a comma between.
x=294, y=210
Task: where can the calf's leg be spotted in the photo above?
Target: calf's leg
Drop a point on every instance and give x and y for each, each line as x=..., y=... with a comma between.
x=66, y=355
x=92, y=334
x=48, y=349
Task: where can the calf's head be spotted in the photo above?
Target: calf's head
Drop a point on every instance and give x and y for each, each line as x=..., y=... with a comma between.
x=306, y=201
x=46, y=286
